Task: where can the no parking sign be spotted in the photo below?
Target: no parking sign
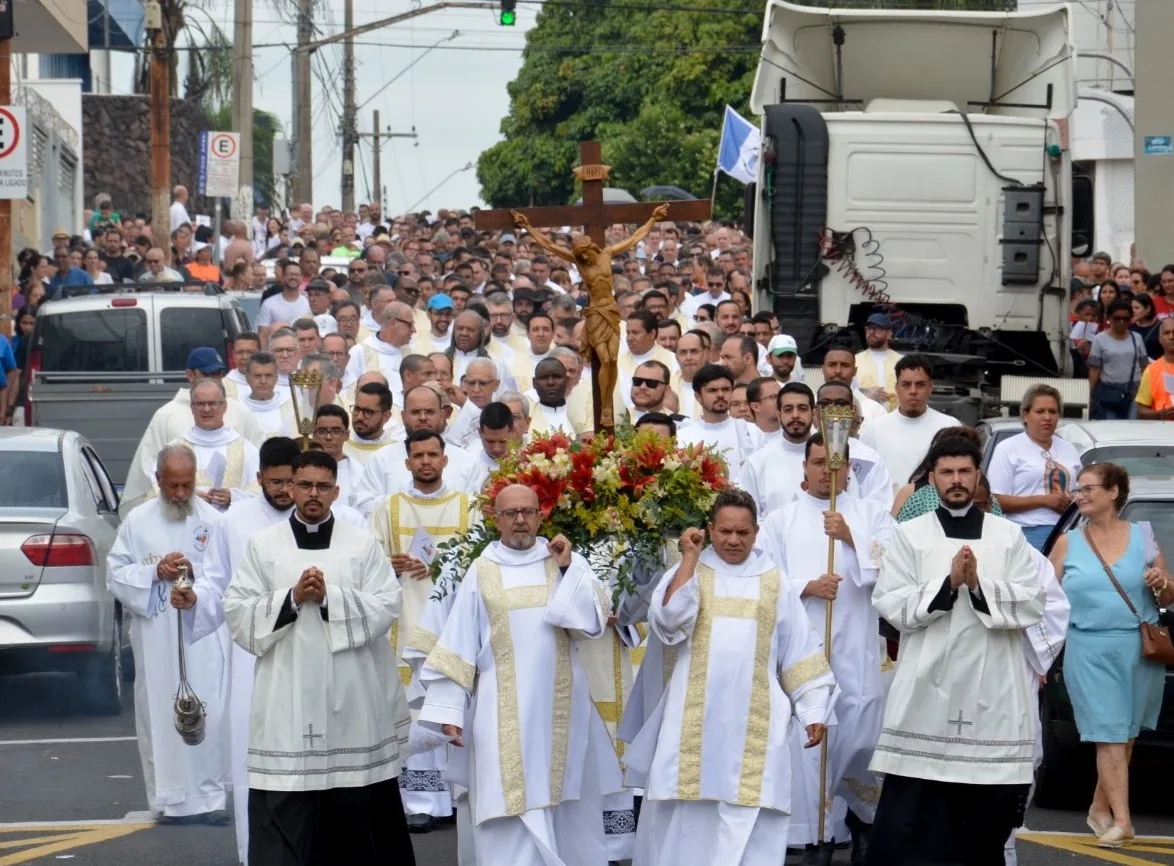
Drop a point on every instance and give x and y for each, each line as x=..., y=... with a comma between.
x=220, y=164
x=14, y=168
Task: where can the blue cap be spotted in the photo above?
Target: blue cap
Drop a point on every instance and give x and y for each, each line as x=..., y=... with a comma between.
x=206, y=360
x=440, y=301
x=880, y=320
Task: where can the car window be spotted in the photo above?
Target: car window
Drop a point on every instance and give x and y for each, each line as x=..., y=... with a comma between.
x=1160, y=516
x=102, y=477
x=99, y=499
x=32, y=479
x=94, y=341
x=1135, y=459
x=251, y=307
x=182, y=329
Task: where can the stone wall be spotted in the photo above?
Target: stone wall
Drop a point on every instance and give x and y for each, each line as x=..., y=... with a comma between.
x=117, y=151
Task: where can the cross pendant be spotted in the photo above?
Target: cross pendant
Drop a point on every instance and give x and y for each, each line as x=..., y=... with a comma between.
x=959, y=723
x=311, y=736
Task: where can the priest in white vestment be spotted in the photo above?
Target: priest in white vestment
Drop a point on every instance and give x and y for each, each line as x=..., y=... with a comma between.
x=728, y=436
x=772, y=475
x=184, y=783
x=172, y=420
x=331, y=429
x=538, y=753
x=314, y=600
x=204, y=604
x=713, y=757
x=409, y=526
x=384, y=351
x=959, y=730
x=551, y=412
x=861, y=529
x=479, y=384
x=273, y=413
x=372, y=428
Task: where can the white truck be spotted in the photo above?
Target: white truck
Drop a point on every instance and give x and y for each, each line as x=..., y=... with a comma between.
x=917, y=163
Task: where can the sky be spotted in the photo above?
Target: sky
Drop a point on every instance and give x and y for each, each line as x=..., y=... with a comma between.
x=455, y=95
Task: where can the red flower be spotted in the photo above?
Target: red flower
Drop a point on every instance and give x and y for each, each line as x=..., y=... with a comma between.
x=635, y=478
x=550, y=445
x=713, y=472
x=548, y=489
x=650, y=456
x=582, y=474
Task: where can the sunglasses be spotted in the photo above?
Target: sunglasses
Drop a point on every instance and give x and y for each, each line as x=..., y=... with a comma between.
x=647, y=383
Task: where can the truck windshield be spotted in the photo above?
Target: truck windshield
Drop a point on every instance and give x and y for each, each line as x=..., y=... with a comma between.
x=32, y=479
x=93, y=341
x=182, y=329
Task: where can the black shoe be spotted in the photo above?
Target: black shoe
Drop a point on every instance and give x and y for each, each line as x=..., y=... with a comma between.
x=860, y=832
x=819, y=855
x=419, y=823
x=447, y=819
x=216, y=819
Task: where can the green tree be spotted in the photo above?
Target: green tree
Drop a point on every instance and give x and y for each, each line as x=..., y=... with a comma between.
x=650, y=84
x=265, y=127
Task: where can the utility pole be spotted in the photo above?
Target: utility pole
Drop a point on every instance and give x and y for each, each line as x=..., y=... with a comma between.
x=377, y=137
x=349, y=121
x=6, y=324
x=303, y=186
x=1152, y=158
x=242, y=105
x=160, y=90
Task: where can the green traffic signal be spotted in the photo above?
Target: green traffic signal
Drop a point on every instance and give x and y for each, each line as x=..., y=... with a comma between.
x=509, y=14
x=508, y=19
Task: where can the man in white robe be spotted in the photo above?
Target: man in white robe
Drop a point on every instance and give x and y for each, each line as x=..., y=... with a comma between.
x=839, y=365
x=551, y=413
x=713, y=757
x=184, y=783
x=226, y=464
x=383, y=352
x=273, y=414
x=409, y=526
x=861, y=529
x=372, y=428
x=959, y=731
x=540, y=758
x=204, y=606
x=384, y=473
x=244, y=345
x=331, y=430
x=314, y=600
x=172, y=420
x=479, y=385
x=728, y=436
x=772, y=474
x=870, y=478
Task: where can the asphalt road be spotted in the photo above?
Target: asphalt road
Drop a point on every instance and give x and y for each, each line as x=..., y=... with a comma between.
x=71, y=791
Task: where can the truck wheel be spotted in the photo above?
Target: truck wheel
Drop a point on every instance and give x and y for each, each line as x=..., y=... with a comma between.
x=100, y=678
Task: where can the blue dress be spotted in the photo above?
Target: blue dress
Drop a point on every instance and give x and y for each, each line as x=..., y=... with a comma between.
x=1115, y=693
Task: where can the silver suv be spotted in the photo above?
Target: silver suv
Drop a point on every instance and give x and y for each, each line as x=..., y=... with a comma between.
x=58, y=520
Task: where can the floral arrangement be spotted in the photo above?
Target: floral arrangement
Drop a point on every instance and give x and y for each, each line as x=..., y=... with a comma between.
x=617, y=498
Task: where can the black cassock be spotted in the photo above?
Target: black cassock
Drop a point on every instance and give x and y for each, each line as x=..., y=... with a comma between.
x=335, y=827
x=924, y=822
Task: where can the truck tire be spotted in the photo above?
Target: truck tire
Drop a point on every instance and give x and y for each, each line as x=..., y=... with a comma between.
x=100, y=678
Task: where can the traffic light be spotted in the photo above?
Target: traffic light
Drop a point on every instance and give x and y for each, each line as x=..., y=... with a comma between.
x=509, y=13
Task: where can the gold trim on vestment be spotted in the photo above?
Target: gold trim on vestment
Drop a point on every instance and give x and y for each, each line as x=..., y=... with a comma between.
x=421, y=639
x=693, y=717
x=234, y=465
x=405, y=675
x=637, y=656
x=803, y=672
x=445, y=661
x=618, y=673
x=759, y=718
x=560, y=716
x=365, y=446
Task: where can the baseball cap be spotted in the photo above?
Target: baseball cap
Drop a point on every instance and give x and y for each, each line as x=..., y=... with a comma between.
x=782, y=344
x=205, y=359
x=60, y=233
x=508, y=238
x=440, y=301
x=297, y=242
x=880, y=320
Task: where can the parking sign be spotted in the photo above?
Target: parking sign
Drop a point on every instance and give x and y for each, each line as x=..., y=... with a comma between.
x=14, y=168
x=220, y=163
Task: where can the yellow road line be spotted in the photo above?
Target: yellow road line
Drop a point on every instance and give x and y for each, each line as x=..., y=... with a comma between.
x=71, y=837
x=1086, y=845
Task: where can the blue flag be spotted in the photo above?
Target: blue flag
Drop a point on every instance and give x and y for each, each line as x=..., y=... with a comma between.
x=737, y=155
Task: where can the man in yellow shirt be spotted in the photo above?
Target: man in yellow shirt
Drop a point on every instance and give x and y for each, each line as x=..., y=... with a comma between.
x=1154, y=393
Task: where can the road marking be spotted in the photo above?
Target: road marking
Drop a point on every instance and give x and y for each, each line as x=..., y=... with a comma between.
x=67, y=741
x=1086, y=845
x=58, y=838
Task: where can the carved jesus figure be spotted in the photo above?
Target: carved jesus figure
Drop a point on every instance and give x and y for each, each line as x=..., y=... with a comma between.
x=603, y=313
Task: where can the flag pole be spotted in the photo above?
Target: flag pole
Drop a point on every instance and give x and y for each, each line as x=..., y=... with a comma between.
x=713, y=190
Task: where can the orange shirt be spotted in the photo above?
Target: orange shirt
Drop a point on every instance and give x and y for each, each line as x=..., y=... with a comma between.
x=205, y=273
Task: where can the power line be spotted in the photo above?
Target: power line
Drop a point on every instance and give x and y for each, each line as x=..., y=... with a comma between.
x=570, y=49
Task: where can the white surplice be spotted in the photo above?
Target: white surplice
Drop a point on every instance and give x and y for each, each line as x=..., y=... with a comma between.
x=171, y=421
x=274, y=416
x=328, y=706
x=870, y=477
x=730, y=438
x=463, y=428
x=412, y=523
x=375, y=356
x=180, y=779
x=226, y=549
x=386, y=472
x=958, y=709
x=361, y=450
x=237, y=459
x=772, y=475
x=348, y=479
x=713, y=757
x=794, y=537
x=903, y=442
x=538, y=753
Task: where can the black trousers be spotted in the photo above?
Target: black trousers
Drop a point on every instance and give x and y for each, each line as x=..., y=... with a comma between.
x=920, y=822
x=351, y=826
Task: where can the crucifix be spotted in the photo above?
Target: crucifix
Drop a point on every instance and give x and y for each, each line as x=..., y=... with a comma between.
x=311, y=736
x=959, y=723
x=593, y=258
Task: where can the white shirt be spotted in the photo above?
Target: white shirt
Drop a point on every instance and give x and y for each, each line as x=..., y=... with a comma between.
x=730, y=438
x=1021, y=467
x=179, y=215
x=903, y=442
x=278, y=309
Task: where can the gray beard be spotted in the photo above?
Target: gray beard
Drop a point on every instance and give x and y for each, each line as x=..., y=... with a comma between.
x=177, y=512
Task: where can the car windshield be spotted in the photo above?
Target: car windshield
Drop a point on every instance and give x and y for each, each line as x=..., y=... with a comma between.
x=93, y=341
x=251, y=304
x=185, y=328
x=1160, y=515
x=32, y=479
x=1135, y=459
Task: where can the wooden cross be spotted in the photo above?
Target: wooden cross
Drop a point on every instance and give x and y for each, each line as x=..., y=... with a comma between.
x=594, y=216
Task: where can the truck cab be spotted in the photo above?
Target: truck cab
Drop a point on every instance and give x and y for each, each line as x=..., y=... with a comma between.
x=916, y=163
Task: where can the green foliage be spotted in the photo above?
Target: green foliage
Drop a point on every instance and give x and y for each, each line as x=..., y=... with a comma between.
x=265, y=127
x=651, y=86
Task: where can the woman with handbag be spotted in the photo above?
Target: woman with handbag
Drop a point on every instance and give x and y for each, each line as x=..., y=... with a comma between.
x=1115, y=362
x=1116, y=654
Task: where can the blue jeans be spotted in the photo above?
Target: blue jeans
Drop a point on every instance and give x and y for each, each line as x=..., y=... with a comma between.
x=1037, y=535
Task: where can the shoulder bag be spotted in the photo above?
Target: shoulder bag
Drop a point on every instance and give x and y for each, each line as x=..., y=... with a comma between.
x=1155, y=638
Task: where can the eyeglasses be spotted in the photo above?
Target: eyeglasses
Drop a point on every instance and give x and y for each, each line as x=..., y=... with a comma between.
x=328, y=432
x=1087, y=490
x=647, y=383
x=314, y=486
x=477, y=383
x=207, y=404
x=512, y=514
x=278, y=482
x=407, y=322
x=337, y=354
x=347, y=319
x=366, y=413
x=717, y=285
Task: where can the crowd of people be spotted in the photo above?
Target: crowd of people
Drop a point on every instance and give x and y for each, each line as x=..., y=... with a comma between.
x=318, y=643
